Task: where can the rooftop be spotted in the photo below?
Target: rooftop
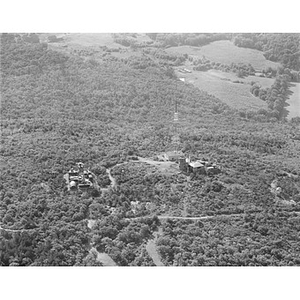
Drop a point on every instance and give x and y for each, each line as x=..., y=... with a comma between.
x=196, y=164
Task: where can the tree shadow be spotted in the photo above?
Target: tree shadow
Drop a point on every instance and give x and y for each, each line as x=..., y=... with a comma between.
x=285, y=111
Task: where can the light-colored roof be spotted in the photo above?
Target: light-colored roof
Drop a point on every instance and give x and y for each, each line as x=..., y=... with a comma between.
x=202, y=161
x=196, y=164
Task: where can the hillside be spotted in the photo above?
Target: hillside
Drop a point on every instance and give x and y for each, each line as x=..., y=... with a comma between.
x=226, y=52
x=277, y=47
x=242, y=59
x=60, y=107
x=227, y=87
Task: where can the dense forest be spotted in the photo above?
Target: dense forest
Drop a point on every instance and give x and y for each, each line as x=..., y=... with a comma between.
x=251, y=241
x=170, y=39
x=59, y=108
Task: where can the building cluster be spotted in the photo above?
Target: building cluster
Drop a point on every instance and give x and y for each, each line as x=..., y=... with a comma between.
x=80, y=178
x=198, y=167
x=188, y=166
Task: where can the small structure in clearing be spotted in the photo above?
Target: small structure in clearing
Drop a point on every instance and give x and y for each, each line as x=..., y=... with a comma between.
x=198, y=166
x=80, y=178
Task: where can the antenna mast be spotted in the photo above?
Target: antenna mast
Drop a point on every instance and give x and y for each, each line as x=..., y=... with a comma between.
x=176, y=139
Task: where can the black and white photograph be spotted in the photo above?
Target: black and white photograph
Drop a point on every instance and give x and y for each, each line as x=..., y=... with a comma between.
x=146, y=149
x=133, y=149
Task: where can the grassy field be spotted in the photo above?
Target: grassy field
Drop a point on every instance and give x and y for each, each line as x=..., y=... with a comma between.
x=91, y=39
x=226, y=52
x=92, y=42
x=220, y=84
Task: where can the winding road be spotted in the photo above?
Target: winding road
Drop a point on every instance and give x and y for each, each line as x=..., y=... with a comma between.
x=113, y=181
x=14, y=230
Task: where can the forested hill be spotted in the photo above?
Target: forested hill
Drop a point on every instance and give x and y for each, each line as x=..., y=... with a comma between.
x=90, y=90
x=50, y=92
x=58, y=109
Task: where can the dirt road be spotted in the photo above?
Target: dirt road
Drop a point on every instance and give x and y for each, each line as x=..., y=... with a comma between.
x=152, y=250
x=14, y=230
x=113, y=181
x=165, y=217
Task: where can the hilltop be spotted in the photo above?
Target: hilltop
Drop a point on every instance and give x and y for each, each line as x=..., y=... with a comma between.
x=65, y=102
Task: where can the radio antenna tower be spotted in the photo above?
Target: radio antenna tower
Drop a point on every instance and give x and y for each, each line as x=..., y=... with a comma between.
x=176, y=138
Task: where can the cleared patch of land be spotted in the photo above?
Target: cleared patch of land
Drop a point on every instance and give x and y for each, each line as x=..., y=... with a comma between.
x=220, y=84
x=90, y=39
x=90, y=44
x=165, y=167
x=104, y=258
x=91, y=223
x=226, y=52
x=142, y=37
x=294, y=101
x=152, y=249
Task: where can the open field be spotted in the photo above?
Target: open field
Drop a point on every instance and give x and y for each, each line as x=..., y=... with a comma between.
x=90, y=39
x=294, y=101
x=104, y=258
x=226, y=52
x=165, y=167
x=219, y=84
x=92, y=42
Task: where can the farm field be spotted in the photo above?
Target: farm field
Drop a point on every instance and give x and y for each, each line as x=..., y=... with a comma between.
x=93, y=42
x=226, y=52
x=219, y=84
x=294, y=101
x=91, y=39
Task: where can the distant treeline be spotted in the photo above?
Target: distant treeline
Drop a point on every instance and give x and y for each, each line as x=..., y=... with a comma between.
x=191, y=39
x=171, y=39
x=275, y=96
x=241, y=69
x=279, y=47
